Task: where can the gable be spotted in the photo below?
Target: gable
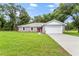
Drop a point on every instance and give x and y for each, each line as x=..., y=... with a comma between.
x=54, y=22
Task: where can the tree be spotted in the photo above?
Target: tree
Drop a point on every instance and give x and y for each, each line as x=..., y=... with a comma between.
x=47, y=17
x=61, y=13
x=11, y=11
x=42, y=18
x=24, y=17
x=2, y=21
x=69, y=26
x=7, y=26
x=76, y=22
x=38, y=19
x=72, y=10
x=2, y=17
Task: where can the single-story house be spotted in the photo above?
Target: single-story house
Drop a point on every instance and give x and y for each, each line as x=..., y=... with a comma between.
x=52, y=26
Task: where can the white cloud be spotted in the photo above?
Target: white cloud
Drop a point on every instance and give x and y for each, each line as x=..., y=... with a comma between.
x=51, y=9
x=50, y=5
x=33, y=5
x=17, y=13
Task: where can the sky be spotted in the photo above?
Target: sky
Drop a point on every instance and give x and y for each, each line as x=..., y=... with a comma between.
x=39, y=8
x=35, y=9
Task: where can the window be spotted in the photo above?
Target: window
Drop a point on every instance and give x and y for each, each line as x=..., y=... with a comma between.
x=23, y=28
x=31, y=28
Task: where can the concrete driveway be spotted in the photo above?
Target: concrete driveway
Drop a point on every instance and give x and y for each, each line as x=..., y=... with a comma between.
x=69, y=43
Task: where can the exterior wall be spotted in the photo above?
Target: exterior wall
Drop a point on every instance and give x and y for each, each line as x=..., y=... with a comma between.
x=20, y=29
x=28, y=29
x=34, y=29
x=45, y=29
x=63, y=28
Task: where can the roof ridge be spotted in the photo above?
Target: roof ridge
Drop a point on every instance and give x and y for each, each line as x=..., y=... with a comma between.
x=54, y=20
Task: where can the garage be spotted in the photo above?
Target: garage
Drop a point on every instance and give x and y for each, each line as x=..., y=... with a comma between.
x=54, y=27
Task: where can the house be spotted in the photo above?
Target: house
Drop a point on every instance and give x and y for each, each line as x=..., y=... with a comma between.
x=52, y=26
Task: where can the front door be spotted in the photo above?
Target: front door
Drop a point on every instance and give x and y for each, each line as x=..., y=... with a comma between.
x=39, y=29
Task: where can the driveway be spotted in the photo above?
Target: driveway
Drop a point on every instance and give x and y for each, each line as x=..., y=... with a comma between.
x=69, y=43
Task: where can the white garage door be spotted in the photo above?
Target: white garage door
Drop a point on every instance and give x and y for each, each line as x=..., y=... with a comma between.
x=53, y=29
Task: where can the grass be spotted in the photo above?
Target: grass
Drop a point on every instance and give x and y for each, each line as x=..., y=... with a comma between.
x=73, y=33
x=29, y=44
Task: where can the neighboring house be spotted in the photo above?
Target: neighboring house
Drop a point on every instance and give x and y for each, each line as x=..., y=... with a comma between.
x=53, y=26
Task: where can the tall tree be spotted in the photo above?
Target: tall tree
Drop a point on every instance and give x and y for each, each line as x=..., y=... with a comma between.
x=24, y=17
x=2, y=22
x=16, y=15
x=42, y=18
x=72, y=10
x=11, y=12
x=2, y=16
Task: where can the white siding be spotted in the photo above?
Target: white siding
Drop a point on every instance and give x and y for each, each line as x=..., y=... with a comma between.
x=28, y=29
x=20, y=28
x=43, y=29
x=54, y=29
x=34, y=29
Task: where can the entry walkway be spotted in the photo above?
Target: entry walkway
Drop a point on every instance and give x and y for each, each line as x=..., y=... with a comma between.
x=69, y=43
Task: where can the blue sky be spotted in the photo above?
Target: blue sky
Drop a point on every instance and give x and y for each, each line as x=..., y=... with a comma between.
x=39, y=8
x=35, y=9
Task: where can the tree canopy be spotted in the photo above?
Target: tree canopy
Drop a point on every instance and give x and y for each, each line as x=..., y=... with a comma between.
x=16, y=14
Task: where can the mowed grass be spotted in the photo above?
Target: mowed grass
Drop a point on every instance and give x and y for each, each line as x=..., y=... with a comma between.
x=73, y=33
x=29, y=44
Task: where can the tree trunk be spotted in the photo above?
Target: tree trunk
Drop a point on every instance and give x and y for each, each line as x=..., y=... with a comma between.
x=78, y=29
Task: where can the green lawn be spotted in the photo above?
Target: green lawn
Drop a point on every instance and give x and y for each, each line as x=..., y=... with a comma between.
x=74, y=33
x=28, y=44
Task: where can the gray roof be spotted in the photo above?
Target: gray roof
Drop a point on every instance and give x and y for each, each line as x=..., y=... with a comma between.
x=32, y=25
x=41, y=24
